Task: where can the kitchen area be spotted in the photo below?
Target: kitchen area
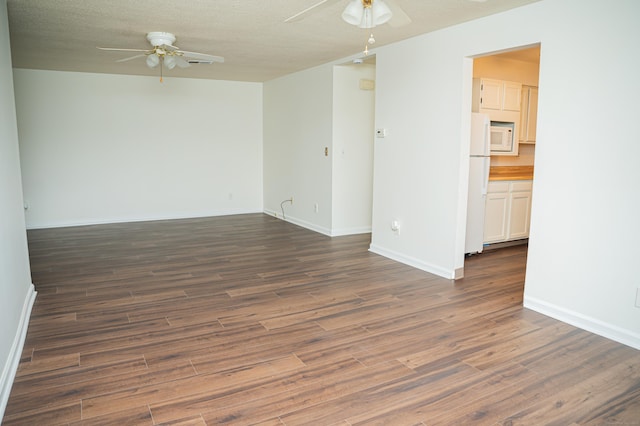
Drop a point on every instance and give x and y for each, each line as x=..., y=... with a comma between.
x=503, y=137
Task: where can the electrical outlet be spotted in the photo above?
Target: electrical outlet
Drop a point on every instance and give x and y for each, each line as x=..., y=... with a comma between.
x=292, y=200
x=638, y=297
x=315, y=207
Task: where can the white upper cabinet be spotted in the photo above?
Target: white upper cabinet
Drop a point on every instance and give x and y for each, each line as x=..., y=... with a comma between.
x=491, y=94
x=511, y=97
x=496, y=95
x=528, y=114
x=501, y=101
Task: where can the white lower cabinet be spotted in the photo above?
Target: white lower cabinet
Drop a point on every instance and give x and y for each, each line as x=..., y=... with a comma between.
x=495, y=212
x=507, y=210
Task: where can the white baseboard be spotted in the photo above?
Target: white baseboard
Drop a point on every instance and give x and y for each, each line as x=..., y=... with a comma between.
x=106, y=221
x=350, y=231
x=321, y=229
x=411, y=261
x=601, y=328
x=300, y=222
x=11, y=366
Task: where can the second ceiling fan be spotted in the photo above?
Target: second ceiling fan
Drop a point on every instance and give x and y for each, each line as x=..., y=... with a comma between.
x=362, y=13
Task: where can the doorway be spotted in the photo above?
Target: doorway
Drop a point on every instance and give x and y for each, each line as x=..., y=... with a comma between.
x=507, y=207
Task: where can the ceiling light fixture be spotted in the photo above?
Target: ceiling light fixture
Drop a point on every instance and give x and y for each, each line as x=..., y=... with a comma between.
x=366, y=13
x=169, y=62
x=153, y=60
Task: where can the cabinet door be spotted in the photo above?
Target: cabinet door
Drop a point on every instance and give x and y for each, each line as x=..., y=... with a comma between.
x=532, y=115
x=524, y=110
x=491, y=93
x=520, y=209
x=495, y=218
x=512, y=93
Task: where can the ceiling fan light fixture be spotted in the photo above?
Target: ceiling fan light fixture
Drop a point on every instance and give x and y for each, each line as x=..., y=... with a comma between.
x=353, y=12
x=165, y=55
x=170, y=62
x=366, y=13
x=381, y=12
x=367, y=19
x=153, y=60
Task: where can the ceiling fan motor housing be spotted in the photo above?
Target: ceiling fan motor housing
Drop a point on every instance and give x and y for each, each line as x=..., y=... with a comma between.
x=158, y=38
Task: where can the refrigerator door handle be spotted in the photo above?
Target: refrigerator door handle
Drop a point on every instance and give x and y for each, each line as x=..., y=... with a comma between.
x=487, y=138
x=485, y=177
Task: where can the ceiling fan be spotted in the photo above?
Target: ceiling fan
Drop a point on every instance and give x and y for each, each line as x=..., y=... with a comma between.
x=362, y=13
x=164, y=53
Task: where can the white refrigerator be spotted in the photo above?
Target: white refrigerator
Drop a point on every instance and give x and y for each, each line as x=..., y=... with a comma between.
x=479, y=161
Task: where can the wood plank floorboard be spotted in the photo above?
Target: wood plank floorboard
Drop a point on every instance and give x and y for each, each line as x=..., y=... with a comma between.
x=247, y=319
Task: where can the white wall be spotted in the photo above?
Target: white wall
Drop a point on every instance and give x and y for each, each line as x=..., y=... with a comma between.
x=297, y=128
x=106, y=148
x=304, y=114
x=353, y=135
x=419, y=99
x=16, y=290
x=585, y=198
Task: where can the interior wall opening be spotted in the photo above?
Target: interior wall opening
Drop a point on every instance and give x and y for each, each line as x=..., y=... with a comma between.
x=502, y=156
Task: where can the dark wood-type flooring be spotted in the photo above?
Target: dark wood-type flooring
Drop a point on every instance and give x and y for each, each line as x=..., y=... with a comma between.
x=251, y=320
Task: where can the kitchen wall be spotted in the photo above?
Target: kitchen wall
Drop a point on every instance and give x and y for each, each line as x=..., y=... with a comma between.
x=107, y=148
x=499, y=68
x=16, y=291
x=583, y=223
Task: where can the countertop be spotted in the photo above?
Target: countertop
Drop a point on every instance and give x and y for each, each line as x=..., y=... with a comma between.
x=511, y=173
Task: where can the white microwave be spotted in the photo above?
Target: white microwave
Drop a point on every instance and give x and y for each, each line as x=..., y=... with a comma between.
x=502, y=136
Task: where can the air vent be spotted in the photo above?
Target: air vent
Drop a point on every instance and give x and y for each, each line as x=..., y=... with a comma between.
x=367, y=84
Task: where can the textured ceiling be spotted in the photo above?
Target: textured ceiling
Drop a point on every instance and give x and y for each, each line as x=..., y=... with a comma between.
x=251, y=34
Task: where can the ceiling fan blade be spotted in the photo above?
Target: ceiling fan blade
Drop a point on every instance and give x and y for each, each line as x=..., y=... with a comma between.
x=131, y=57
x=300, y=15
x=117, y=49
x=201, y=56
x=399, y=17
x=180, y=61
